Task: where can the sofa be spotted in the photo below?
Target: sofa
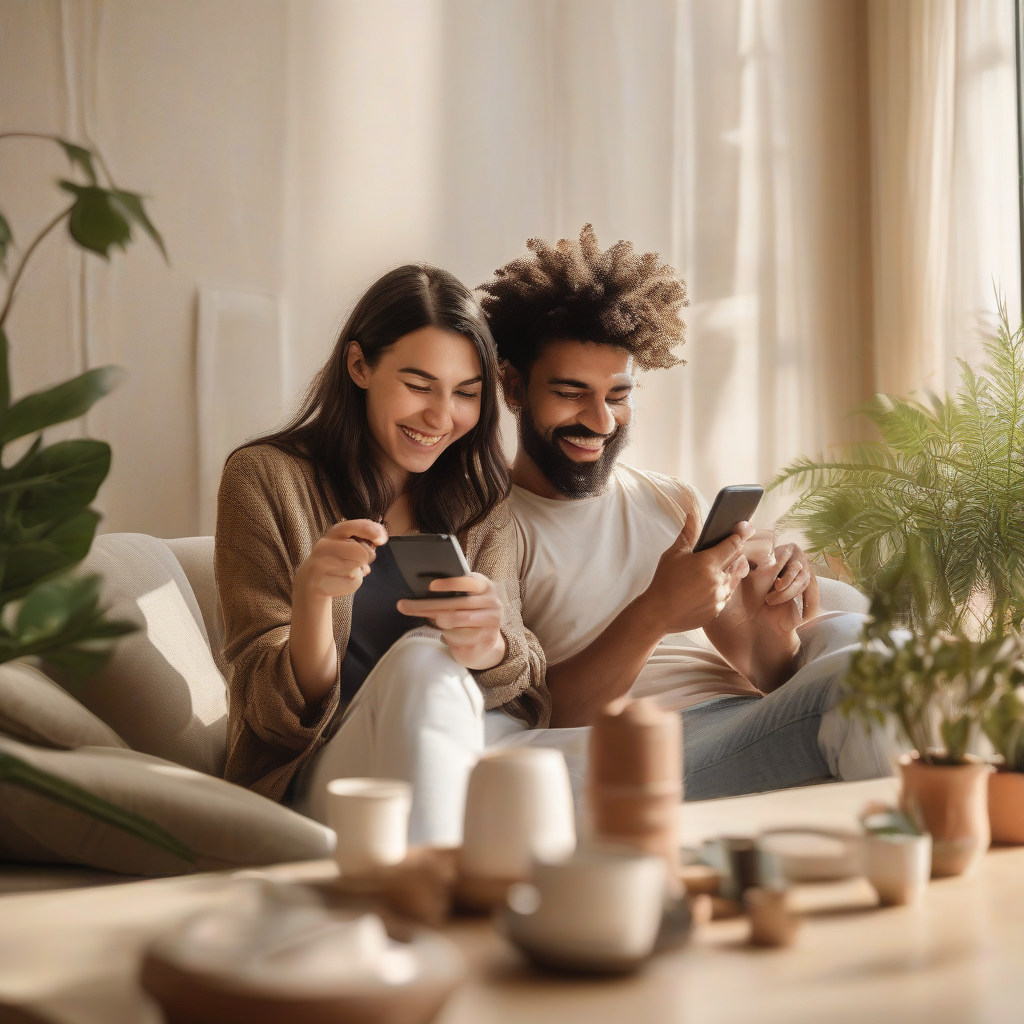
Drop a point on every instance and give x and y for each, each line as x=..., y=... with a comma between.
x=148, y=731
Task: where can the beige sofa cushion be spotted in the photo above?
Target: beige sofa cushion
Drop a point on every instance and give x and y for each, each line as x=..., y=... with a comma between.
x=36, y=710
x=161, y=691
x=227, y=826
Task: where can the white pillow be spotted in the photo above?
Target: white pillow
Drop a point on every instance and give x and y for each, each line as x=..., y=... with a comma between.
x=37, y=710
x=161, y=691
x=226, y=825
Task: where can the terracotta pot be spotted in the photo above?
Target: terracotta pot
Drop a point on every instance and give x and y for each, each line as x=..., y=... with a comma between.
x=952, y=802
x=1006, y=806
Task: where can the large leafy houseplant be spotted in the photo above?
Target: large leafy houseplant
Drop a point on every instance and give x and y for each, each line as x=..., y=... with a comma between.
x=948, y=472
x=46, y=524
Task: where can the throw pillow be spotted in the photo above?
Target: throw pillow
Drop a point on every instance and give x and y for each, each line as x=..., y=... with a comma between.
x=226, y=825
x=37, y=710
x=160, y=691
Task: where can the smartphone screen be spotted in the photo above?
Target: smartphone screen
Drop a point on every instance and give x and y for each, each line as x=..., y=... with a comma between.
x=424, y=557
x=732, y=505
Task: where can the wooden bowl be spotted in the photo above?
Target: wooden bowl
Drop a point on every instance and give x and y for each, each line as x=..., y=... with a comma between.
x=190, y=993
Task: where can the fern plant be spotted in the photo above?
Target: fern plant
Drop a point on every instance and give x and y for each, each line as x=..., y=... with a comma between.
x=948, y=471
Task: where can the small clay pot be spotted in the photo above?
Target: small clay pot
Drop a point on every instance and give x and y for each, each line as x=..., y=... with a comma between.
x=952, y=803
x=1006, y=806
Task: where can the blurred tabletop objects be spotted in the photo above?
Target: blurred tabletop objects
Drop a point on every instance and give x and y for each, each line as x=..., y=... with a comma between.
x=71, y=956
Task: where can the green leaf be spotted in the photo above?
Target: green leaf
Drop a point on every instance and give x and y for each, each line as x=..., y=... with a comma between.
x=59, y=480
x=48, y=606
x=64, y=546
x=95, y=222
x=5, y=376
x=6, y=237
x=131, y=205
x=14, y=771
x=80, y=156
x=64, y=402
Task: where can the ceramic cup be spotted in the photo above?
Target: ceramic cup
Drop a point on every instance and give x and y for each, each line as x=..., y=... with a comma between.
x=603, y=902
x=518, y=806
x=371, y=818
x=898, y=866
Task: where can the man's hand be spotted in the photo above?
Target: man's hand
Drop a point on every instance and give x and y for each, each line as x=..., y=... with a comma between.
x=757, y=630
x=689, y=590
x=780, y=591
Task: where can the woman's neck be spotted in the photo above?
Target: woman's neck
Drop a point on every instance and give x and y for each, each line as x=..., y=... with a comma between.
x=399, y=518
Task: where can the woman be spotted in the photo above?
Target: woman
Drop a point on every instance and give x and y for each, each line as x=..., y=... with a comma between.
x=398, y=434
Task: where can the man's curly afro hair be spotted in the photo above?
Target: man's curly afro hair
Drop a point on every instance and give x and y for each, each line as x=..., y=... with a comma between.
x=573, y=290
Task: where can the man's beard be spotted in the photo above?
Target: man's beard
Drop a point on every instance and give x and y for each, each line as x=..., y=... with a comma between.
x=568, y=477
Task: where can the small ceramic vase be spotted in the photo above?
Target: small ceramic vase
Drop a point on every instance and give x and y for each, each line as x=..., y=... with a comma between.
x=1006, y=806
x=951, y=801
x=898, y=866
x=518, y=807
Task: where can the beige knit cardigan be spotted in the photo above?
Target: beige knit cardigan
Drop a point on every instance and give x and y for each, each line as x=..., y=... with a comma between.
x=269, y=515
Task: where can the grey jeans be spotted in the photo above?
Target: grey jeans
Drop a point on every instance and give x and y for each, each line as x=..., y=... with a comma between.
x=735, y=745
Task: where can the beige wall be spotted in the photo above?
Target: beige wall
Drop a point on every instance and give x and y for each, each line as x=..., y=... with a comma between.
x=187, y=102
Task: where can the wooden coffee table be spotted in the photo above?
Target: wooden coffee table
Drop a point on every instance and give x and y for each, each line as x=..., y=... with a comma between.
x=71, y=956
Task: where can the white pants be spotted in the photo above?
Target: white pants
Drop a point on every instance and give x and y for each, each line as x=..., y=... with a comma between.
x=418, y=717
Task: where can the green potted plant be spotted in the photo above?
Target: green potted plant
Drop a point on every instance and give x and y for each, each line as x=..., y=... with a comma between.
x=947, y=473
x=46, y=524
x=939, y=687
x=1003, y=723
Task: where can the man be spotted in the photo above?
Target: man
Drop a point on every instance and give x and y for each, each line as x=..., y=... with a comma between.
x=610, y=583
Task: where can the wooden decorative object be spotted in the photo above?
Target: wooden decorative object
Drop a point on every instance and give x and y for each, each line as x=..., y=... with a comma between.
x=636, y=779
x=771, y=923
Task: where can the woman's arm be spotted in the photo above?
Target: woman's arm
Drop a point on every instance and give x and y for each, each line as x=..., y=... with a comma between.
x=335, y=567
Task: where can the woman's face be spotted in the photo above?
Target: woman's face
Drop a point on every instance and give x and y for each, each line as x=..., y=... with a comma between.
x=422, y=396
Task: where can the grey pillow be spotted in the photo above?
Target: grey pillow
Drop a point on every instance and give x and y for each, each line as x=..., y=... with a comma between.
x=37, y=710
x=161, y=690
x=226, y=825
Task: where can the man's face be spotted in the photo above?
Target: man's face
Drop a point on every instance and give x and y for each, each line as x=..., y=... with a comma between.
x=574, y=415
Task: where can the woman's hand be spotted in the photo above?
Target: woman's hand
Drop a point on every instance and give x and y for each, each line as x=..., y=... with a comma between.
x=339, y=560
x=470, y=625
x=336, y=566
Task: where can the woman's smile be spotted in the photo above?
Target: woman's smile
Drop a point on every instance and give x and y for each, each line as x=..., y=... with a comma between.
x=420, y=439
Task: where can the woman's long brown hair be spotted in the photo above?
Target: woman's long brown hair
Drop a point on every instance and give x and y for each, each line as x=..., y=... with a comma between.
x=469, y=477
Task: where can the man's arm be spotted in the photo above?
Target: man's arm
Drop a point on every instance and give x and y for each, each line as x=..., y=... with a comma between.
x=688, y=591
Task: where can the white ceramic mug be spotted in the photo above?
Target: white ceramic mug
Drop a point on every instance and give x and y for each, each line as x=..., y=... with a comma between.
x=518, y=806
x=371, y=819
x=898, y=866
x=601, y=903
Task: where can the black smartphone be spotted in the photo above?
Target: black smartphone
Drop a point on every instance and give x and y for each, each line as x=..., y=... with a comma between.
x=732, y=505
x=424, y=557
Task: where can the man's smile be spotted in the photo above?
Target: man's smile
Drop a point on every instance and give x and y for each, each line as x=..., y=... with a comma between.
x=576, y=447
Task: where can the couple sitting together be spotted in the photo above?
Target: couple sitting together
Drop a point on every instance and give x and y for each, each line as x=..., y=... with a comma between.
x=585, y=586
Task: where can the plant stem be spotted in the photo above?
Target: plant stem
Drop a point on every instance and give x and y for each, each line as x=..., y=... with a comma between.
x=24, y=260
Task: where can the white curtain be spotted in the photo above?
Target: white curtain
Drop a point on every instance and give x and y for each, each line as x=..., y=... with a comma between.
x=836, y=181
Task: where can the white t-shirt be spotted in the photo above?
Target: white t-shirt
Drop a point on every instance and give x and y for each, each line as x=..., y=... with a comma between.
x=581, y=562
